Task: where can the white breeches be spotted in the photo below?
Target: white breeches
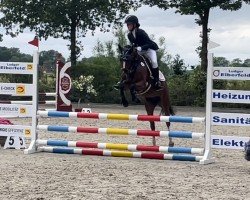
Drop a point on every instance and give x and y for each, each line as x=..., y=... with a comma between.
x=152, y=55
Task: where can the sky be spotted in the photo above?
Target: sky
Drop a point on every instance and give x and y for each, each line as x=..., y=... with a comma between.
x=231, y=30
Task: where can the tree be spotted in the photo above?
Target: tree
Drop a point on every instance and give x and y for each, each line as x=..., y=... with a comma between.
x=121, y=38
x=202, y=9
x=13, y=55
x=236, y=63
x=65, y=19
x=163, y=57
x=47, y=60
x=246, y=63
x=221, y=62
x=178, y=65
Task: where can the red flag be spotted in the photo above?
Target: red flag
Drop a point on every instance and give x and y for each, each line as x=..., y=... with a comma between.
x=34, y=42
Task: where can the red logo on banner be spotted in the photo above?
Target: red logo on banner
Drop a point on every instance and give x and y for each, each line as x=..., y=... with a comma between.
x=65, y=83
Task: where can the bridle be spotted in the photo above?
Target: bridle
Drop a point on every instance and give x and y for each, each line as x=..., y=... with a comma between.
x=128, y=60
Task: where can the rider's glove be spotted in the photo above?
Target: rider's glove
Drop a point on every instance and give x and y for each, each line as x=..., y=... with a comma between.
x=138, y=48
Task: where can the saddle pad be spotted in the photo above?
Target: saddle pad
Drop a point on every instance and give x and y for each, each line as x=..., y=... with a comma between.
x=161, y=76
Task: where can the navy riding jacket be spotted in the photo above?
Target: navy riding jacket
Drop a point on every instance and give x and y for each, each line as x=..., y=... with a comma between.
x=142, y=40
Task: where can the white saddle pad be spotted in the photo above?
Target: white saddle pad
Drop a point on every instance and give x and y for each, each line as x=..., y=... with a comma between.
x=161, y=76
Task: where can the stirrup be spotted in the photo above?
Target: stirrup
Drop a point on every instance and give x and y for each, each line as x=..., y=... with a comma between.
x=157, y=85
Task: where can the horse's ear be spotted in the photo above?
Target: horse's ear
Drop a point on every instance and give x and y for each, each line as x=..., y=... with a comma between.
x=120, y=48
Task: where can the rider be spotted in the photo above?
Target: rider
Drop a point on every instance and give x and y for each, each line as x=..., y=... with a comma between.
x=144, y=45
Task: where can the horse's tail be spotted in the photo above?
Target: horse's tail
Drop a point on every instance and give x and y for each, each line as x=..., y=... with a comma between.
x=171, y=110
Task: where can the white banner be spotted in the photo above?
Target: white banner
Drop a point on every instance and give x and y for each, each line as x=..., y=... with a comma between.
x=231, y=73
x=15, y=130
x=230, y=119
x=16, y=68
x=15, y=110
x=228, y=142
x=17, y=89
x=231, y=96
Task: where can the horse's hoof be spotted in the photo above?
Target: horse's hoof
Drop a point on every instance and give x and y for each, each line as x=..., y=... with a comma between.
x=136, y=100
x=125, y=104
x=171, y=144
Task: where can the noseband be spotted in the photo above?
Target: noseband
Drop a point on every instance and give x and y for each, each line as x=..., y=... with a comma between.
x=129, y=62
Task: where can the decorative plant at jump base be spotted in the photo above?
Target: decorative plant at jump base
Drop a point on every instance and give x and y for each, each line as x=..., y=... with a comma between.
x=83, y=87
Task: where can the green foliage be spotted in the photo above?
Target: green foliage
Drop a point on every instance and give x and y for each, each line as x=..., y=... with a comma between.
x=181, y=94
x=47, y=61
x=221, y=62
x=106, y=72
x=178, y=66
x=121, y=38
x=197, y=82
x=65, y=19
x=82, y=88
x=13, y=55
x=236, y=63
x=47, y=82
x=202, y=10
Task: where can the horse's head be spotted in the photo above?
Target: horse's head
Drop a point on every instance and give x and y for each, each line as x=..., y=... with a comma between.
x=128, y=57
x=134, y=68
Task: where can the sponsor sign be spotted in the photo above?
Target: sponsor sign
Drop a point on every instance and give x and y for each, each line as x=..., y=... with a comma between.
x=231, y=73
x=15, y=110
x=230, y=119
x=228, y=142
x=15, y=130
x=16, y=89
x=16, y=68
x=231, y=96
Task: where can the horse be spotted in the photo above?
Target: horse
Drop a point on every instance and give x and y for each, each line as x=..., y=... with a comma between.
x=137, y=75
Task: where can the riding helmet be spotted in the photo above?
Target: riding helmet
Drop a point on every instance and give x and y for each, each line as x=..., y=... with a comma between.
x=132, y=19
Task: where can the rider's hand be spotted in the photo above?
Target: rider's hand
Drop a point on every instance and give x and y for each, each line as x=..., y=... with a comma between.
x=138, y=49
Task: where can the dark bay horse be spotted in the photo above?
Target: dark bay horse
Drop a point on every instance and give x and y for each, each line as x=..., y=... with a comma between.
x=136, y=74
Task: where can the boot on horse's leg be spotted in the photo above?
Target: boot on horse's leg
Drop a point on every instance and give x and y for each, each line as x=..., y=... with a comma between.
x=156, y=83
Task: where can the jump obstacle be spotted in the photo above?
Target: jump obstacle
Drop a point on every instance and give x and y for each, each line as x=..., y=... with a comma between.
x=62, y=94
x=128, y=150
x=119, y=150
x=15, y=132
x=13, y=109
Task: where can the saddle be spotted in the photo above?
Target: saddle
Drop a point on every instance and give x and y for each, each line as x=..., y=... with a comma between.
x=150, y=69
x=148, y=65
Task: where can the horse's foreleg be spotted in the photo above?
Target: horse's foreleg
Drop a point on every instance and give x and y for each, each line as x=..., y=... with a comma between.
x=133, y=94
x=123, y=98
x=152, y=126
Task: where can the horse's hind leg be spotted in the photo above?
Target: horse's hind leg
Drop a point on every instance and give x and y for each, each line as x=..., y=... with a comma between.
x=165, y=104
x=150, y=111
x=170, y=143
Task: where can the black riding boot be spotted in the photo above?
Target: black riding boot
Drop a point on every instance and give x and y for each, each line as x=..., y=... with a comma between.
x=155, y=73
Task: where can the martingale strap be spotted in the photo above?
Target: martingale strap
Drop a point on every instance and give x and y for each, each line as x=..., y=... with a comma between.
x=149, y=68
x=148, y=86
